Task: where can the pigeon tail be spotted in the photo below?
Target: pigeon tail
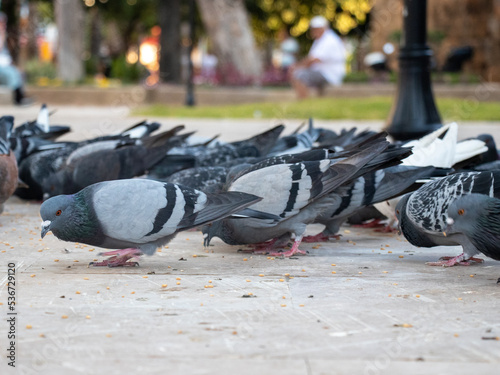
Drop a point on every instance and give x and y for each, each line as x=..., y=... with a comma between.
x=43, y=119
x=162, y=138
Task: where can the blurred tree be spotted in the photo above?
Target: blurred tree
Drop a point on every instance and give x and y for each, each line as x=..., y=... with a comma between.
x=70, y=22
x=348, y=17
x=169, y=19
x=33, y=20
x=227, y=24
x=131, y=17
x=11, y=9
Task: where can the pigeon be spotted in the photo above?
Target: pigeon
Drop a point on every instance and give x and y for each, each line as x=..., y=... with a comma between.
x=481, y=161
x=140, y=130
x=41, y=127
x=431, y=150
x=332, y=140
x=26, y=146
x=212, y=179
x=289, y=191
x=134, y=215
x=423, y=214
x=474, y=220
x=66, y=170
x=199, y=156
x=372, y=187
x=91, y=164
x=365, y=214
x=8, y=164
x=297, y=142
x=200, y=178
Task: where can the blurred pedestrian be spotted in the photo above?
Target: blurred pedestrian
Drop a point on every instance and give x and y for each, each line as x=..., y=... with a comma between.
x=9, y=74
x=325, y=62
x=289, y=47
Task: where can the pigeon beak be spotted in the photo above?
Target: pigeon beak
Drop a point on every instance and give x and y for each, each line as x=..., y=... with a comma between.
x=45, y=227
x=450, y=222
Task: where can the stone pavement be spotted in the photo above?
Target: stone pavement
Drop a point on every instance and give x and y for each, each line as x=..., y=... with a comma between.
x=366, y=304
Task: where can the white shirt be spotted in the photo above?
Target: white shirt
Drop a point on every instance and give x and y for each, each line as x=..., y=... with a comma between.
x=330, y=49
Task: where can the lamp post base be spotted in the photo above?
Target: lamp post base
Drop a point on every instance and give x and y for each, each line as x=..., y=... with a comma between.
x=414, y=114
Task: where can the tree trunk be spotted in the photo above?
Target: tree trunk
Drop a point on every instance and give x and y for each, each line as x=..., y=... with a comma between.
x=70, y=24
x=11, y=9
x=95, y=32
x=33, y=19
x=170, y=40
x=227, y=24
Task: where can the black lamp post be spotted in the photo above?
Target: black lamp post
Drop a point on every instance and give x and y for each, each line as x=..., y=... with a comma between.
x=189, y=87
x=415, y=113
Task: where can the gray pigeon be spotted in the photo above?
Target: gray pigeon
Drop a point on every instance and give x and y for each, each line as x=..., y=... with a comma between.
x=69, y=169
x=180, y=158
x=297, y=142
x=136, y=215
x=475, y=220
x=289, y=190
x=422, y=215
x=40, y=127
x=372, y=187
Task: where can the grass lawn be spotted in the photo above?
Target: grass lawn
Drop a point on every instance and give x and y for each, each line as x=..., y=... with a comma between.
x=371, y=108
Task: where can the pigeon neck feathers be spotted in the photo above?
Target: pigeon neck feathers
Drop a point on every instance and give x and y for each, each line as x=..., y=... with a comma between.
x=410, y=231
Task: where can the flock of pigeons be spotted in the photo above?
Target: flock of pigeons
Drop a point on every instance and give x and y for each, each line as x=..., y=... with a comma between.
x=135, y=190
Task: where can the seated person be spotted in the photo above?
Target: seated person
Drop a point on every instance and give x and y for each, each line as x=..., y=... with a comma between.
x=325, y=63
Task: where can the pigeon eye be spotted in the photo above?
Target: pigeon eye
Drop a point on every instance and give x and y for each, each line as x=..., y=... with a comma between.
x=58, y=213
x=397, y=212
x=461, y=211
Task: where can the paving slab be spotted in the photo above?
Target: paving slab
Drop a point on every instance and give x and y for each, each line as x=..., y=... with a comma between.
x=365, y=304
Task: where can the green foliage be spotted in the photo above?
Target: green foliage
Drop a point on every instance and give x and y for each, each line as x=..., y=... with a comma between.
x=127, y=73
x=395, y=36
x=35, y=70
x=435, y=36
x=455, y=78
x=91, y=65
x=356, y=77
x=268, y=17
x=370, y=108
x=46, y=12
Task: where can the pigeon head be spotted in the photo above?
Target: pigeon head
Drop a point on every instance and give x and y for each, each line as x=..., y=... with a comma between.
x=466, y=214
x=55, y=212
x=68, y=217
x=217, y=229
x=210, y=231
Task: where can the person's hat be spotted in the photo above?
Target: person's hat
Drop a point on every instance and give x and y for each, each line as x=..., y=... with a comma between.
x=318, y=22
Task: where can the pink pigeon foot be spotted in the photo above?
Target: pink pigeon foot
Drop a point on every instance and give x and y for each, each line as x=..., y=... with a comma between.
x=119, y=258
x=294, y=250
x=321, y=237
x=477, y=260
x=455, y=261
